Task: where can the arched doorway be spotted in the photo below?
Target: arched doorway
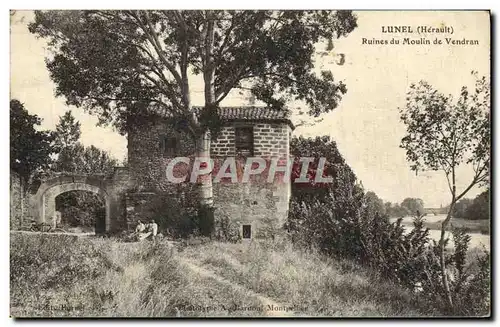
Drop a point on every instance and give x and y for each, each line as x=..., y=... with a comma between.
x=45, y=199
x=81, y=212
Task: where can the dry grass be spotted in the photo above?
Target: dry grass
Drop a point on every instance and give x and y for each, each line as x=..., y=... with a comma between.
x=306, y=281
x=59, y=275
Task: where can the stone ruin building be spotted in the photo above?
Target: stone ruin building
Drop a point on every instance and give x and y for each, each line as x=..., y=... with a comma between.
x=132, y=192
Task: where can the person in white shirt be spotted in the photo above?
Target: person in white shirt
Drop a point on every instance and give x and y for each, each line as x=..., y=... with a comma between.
x=140, y=227
x=140, y=231
x=153, y=229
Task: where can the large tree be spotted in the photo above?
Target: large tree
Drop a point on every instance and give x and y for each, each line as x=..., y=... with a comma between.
x=415, y=206
x=442, y=135
x=30, y=149
x=117, y=63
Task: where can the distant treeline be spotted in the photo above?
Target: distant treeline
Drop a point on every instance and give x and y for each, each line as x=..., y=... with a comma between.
x=474, y=209
x=409, y=206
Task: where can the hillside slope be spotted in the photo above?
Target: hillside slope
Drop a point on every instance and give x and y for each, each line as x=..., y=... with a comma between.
x=61, y=275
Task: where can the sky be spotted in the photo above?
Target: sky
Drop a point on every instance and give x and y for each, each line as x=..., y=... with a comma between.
x=366, y=124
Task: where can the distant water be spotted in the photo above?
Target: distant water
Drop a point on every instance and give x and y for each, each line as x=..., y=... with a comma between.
x=477, y=239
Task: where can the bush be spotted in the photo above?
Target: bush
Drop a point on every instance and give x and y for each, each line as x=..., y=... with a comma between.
x=408, y=258
x=181, y=216
x=81, y=208
x=226, y=230
x=176, y=216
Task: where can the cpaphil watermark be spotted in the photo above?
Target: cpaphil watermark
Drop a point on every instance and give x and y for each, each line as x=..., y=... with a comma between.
x=237, y=170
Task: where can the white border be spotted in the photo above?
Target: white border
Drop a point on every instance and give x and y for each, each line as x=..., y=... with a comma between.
x=147, y=4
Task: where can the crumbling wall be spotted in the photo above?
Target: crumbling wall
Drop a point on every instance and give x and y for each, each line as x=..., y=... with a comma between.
x=16, y=199
x=260, y=204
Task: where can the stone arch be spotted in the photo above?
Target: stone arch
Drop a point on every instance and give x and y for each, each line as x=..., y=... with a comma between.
x=45, y=198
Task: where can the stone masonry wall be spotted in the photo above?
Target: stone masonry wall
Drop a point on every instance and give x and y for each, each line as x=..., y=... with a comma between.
x=146, y=161
x=20, y=214
x=270, y=140
x=262, y=205
x=15, y=201
x=118, y=189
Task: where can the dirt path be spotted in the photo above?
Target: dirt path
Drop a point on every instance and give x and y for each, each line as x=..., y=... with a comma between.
x=271, y=307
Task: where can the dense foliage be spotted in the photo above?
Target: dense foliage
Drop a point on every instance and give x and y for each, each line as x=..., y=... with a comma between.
x=30, y=148
x=443, y=134
x=316, y=214
x=460, y=208
x=346, y=222
x=414, y=206
x=474, y=209
x=115, y=62
x=480, y=207
x=396, y=210
x=79, y=208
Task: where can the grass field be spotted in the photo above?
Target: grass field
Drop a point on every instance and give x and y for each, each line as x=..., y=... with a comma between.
x=307, y=281
x=62, y=275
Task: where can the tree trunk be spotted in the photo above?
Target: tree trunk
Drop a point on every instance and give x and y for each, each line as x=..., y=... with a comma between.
x=205, y=184
x=444, y=275
x=203, y=142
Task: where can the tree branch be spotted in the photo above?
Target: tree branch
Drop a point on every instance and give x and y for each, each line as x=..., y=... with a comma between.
x=172, y=96
x=155, y=42
x=226, y=38
x=209, y=68
x=184, y=60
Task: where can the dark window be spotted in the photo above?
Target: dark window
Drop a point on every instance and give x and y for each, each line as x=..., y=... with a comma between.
x=247, y=231
x=244, y=141
x=169, y=145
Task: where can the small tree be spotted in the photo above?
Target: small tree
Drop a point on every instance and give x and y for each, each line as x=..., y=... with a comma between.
x=67, y=134
x=68, y=130
x=375, y=204
x=443, y=134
